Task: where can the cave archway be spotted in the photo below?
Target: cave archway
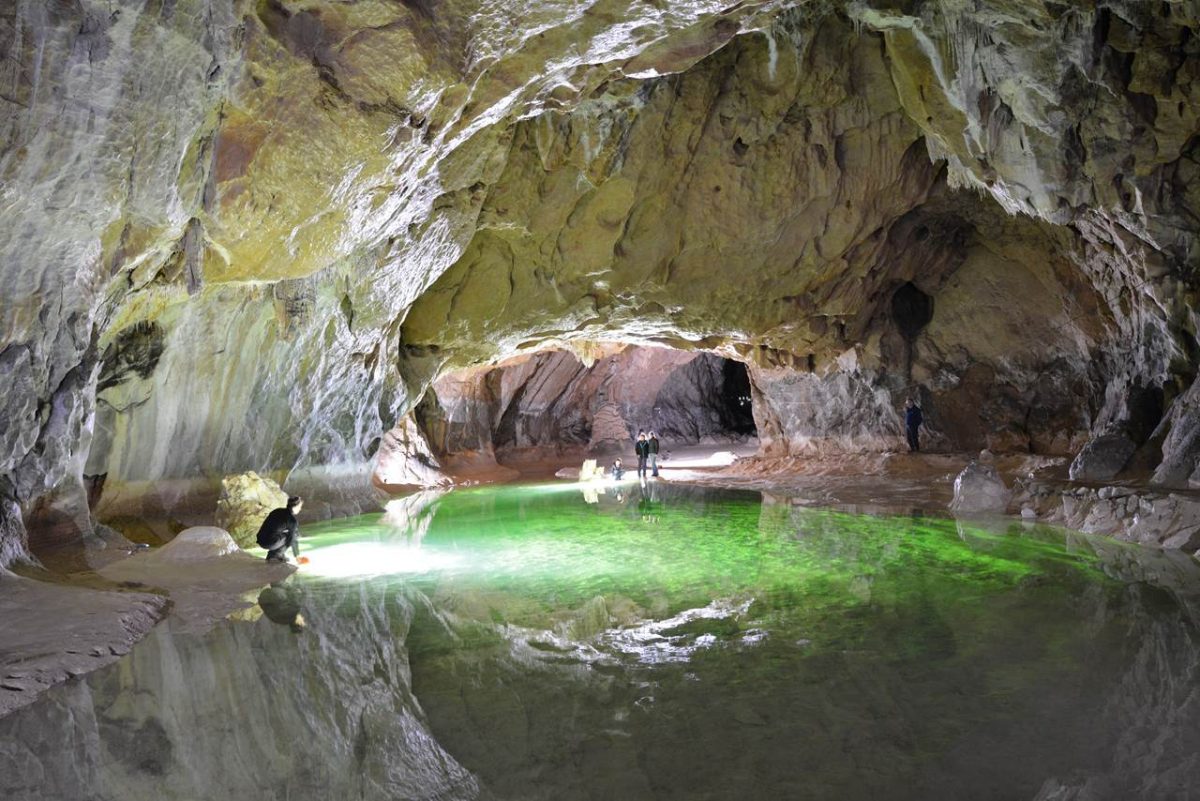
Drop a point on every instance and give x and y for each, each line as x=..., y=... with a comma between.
x=552, y=403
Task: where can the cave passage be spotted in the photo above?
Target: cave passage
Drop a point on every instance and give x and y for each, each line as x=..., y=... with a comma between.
x=553, y=400
x=647, y=643
x=737, y=402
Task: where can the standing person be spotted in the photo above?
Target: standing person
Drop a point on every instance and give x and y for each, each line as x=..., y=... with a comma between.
x=642, y=448
x=652, y=444
x=912, y=422
x=281, y=531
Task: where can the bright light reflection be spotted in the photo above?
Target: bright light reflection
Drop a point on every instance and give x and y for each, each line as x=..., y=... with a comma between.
x=650, y=643
x=374, y=559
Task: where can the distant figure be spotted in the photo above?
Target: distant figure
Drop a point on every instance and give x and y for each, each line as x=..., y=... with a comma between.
x=617, y=470
x=281, y=531
x=652, y=442
x=912, y=422
x=642, y=448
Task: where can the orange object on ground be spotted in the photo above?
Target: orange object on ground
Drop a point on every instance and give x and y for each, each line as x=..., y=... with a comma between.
x=303, y=560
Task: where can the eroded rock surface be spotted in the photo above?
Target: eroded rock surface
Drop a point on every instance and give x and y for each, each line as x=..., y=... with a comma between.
x=1159, y=518
x=53, y=633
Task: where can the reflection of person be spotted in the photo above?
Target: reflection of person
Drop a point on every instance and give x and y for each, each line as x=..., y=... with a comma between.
x=912, y=422
x=652, y=448
x=642, y=448
x=281, y=531
x=646, y=505
x=617, y=470
x=281, y=604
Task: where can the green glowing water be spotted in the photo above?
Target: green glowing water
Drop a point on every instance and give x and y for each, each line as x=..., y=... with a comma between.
x=710, y=644
x=668, y=643
x=670, y=549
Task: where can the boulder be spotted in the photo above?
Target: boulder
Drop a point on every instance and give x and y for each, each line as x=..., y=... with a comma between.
x=195, y=544
x=980, y=490
x=246, y=499
x=1103, y=457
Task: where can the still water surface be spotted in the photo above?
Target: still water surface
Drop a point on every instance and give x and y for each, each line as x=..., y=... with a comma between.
x=666, y=642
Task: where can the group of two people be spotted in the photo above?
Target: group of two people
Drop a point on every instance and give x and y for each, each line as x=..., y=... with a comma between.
x=646, y=448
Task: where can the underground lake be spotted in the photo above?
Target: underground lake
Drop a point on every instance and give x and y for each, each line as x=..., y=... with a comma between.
x=653, y=641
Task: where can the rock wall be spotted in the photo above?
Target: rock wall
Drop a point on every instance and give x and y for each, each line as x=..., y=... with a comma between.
x=243, y=235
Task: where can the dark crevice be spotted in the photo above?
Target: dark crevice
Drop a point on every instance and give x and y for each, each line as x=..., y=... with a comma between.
x=912, y=310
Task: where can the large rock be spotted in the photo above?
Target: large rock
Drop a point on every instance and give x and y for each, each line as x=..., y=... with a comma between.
x=979, y=489
x=195, y=544
x=405, y=461
x=246, y=499
x=610, y=432
x=1103, y=457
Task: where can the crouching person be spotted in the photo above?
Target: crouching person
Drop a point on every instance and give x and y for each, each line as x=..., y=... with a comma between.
x=281, y=531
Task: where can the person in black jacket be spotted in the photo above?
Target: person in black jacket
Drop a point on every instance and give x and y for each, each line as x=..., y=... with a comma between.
x=652, y=447
x=642, y=449
x=281, y=531
x=912, y=422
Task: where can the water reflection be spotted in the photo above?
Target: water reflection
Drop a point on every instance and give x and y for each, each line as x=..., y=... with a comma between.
x=670, y=642
x=281, y=603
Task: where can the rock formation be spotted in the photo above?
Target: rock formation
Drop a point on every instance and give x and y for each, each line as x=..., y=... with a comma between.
x=405, y=461
x=249, y=236
x=979, y=489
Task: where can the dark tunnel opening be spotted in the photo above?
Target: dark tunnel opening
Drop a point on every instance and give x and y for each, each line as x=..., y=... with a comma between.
x=736, y=401
x=912, y=310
